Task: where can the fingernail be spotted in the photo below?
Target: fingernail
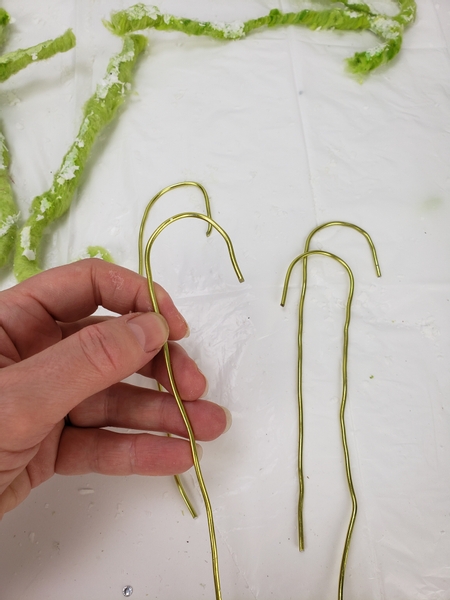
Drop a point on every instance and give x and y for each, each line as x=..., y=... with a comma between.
x=229, y=419
x=188, y=331
x=199, y=451
x=206, y=390
x=150, y=330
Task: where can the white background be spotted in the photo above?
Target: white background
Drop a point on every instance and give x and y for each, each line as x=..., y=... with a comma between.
x=284, y=140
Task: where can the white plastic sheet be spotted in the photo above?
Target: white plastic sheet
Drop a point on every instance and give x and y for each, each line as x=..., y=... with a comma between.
x=284, y=140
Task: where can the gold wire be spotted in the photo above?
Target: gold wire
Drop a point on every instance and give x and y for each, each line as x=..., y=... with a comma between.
x=198, y=471
x=149, y=206
x=179, y=483
x=304, y=256
x=155, y=199
x=301, y=541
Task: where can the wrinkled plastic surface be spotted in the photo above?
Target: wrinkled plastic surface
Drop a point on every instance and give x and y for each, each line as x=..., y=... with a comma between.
x=284, y=140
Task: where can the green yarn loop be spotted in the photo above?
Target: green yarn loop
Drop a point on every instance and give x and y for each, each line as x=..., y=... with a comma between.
x=99, y=110
x=13, y=62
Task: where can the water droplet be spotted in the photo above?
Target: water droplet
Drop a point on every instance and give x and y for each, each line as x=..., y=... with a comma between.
x=127, y=591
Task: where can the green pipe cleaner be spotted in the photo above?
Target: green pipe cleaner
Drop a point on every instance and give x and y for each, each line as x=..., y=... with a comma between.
x=99, y=110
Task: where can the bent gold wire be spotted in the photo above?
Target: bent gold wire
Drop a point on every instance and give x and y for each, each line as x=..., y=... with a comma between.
x=350, y=226
x=301, y=541
x=180, y=485
x=149, y=206
x=303, y=257
x=155, y=199
x=198, y=471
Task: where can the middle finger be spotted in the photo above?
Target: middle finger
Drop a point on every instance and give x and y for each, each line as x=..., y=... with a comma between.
x=132, y=407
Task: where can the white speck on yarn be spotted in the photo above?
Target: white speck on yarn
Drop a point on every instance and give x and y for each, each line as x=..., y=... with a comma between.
x=140, y=11
x=112, y=78
x=352, y=14
x=7, y=223
x=3, y=149
x=230, y=31
x=45, y=205
x=69, y=168
x=25, y=243
x=388, y=29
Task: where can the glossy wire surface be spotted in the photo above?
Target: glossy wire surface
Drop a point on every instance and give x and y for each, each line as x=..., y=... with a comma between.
x=343, y=397
x=155, y=199
x=198, y=471
x=304, y=258
x=300, y=353
x=149, y=206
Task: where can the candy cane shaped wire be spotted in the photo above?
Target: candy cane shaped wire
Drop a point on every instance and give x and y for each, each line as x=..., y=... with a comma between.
x=198, y=471
x=303, y=257
x=149, y=206
x=301, y=540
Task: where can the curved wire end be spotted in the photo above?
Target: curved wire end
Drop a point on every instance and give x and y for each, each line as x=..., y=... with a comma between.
x=185, y=497
x=155, y=198
x=377, y=268
x=178, y=217
x=288, y=277
x=350, y=226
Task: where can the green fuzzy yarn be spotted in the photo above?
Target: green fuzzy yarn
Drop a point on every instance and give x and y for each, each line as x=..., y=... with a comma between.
x=354, y=16
x=19, y=59
x=99, y=110
x=99, y=252
x=9, y=213
x=4, y=21
x=9, y=64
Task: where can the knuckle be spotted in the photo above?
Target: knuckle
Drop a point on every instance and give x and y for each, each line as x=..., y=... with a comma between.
x=100, y=349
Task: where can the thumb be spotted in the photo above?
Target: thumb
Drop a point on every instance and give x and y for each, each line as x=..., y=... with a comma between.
x=40, y=390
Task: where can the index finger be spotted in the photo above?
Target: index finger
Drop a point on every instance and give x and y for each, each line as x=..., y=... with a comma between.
x=75, y=291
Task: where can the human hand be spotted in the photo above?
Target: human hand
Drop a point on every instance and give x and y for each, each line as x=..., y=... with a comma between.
x=56, y=359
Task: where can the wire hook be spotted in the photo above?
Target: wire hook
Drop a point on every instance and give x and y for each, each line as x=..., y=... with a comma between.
x=198, y=471
x=303, y=257
x=155, y=199
x=300, y=352
x=149, y=206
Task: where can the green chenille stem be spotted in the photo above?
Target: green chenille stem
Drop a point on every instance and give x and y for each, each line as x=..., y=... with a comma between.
x=100, y=109
x=9, y=213
x=19, y=59
x=355, y=16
